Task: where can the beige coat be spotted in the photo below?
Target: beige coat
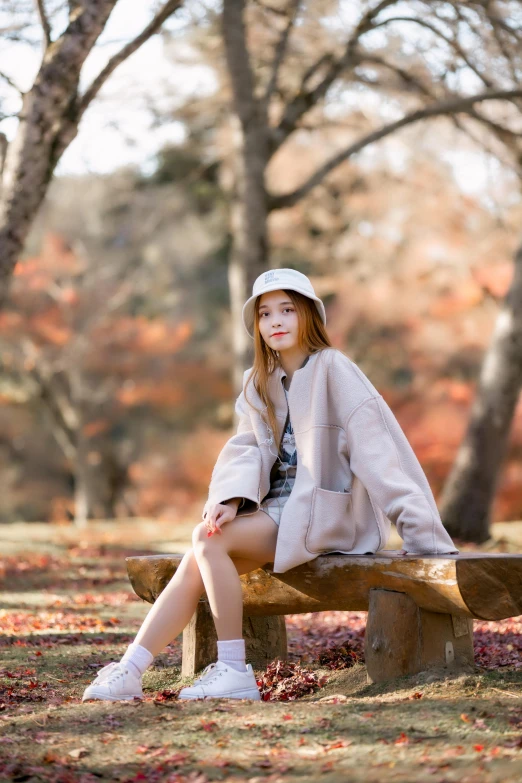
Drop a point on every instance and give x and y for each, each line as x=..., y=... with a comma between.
x=356, y=471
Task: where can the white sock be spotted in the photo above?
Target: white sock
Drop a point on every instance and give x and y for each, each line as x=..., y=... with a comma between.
x=137, y=658
x=232, y=652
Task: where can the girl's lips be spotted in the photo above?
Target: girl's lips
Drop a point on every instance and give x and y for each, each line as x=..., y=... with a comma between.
x=279, y=334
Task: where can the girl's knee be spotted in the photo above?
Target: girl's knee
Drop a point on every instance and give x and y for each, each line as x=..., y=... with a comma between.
x=200, y=539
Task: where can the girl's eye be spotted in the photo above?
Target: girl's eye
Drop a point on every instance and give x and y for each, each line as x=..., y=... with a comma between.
x=265, y=312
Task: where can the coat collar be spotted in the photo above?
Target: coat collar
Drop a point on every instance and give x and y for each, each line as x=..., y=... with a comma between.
x=275, y=384
x=283, y=373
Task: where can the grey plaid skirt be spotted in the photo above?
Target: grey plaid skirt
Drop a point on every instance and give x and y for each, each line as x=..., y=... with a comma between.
x=274, y=502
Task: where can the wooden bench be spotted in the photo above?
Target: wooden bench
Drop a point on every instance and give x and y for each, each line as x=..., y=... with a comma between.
x=420, y=609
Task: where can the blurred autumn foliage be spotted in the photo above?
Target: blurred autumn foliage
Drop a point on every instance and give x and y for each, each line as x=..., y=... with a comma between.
x=115, y=388
x=78, y=368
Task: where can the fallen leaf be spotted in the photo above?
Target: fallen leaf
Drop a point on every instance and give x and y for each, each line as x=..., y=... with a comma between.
x=78, y=753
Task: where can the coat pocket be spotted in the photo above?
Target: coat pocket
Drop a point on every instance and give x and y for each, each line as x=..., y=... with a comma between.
x=331, y=525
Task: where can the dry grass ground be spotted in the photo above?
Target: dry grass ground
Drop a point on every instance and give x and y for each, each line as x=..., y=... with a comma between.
x=66, y=608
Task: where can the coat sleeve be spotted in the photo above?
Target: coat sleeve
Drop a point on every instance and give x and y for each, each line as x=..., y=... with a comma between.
x=383, y=459
x=237, y=471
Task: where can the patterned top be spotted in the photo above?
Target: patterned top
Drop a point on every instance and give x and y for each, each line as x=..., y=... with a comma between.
x=285, y=466
x=282, y=475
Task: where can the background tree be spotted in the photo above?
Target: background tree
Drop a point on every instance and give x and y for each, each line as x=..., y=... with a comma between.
x=51, y=110
x=425, y=76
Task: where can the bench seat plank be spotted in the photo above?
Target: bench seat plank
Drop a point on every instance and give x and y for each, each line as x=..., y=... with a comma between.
x=484, y=586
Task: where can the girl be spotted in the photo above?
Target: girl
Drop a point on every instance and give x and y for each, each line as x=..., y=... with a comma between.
x=318, y=464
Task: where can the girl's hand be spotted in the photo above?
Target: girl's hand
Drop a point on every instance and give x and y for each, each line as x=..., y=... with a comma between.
x=217, y=515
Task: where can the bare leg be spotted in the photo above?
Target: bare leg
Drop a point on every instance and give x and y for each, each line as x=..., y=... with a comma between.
x=253, y=537
x=173, y=609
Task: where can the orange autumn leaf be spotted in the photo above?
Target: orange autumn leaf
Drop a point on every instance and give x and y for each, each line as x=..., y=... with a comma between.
x=208, y=726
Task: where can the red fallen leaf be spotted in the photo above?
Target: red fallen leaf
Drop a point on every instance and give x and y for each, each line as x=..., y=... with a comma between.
x=287, y=681
x=416, y=695
x=158, y=752
x=478, y=748
x=403, y=739
x=337, y=744
x=177, y=758
x=465, y=718
x=50, y=758
x=208, y=726
x=342, y=657
x=288, y=717
x=166, y=695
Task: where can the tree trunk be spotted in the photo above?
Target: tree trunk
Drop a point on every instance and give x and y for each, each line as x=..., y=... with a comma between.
x=48, y=112
x=81, y=497
x=97, y=488
x=249, y=208
x=248, y=257
x=469, y=491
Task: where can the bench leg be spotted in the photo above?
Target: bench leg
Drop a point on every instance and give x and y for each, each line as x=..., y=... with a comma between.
x=265, y=640
x=403, y=639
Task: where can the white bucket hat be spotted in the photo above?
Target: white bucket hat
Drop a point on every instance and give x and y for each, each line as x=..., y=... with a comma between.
x=273, y=280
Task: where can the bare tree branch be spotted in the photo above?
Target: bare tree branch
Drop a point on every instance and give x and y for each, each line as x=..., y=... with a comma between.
x=63, y=416
x=46, y=27
x=271, y=9
x=449, y=106
x=3, y=152
x=163, y=14
x=481, y=144
x=281, y=51
x=304, y=98
x=7, y=79
x=408, y=79
x=452, y=42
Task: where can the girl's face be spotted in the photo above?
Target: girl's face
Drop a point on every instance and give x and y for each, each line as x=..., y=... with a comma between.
x=278, y=320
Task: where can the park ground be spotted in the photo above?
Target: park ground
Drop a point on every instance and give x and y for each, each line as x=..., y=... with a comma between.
x=66, y=608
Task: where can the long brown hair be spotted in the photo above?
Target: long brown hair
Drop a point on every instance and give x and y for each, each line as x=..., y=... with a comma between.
x=311, y=337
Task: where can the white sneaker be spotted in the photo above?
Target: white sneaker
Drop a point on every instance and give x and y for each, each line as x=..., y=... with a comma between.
x=221, y=681
x=115, y=682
